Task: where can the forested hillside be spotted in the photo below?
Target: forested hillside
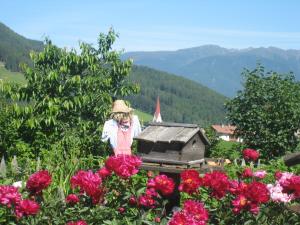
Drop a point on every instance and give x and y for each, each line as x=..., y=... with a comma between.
x=181, y=100
x=216, y=67
x=15, y=48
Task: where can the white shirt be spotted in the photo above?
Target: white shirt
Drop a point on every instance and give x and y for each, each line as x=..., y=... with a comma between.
x=110, y=130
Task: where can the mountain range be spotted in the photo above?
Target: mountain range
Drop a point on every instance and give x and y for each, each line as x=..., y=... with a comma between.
x=216, y=67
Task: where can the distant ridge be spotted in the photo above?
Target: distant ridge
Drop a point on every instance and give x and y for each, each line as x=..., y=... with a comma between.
x=15, y=48
x=216, y=67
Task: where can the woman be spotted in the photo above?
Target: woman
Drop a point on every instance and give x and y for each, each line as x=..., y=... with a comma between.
x=121, y=128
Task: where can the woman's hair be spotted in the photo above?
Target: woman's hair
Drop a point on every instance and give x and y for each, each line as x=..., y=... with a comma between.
x=119, y=116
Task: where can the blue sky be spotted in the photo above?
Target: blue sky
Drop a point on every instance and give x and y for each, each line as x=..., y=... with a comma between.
x=158, y=24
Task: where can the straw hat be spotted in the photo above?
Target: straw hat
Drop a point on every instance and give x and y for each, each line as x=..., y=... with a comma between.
x=120, y=106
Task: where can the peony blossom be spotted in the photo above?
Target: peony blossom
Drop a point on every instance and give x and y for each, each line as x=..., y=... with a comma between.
x=218, y=182
x=104, y=172
x=72, y=199
x=277, y=195
x=88, y=182
x=162, y=184
x=257, y=192
x=193, y=213
x=123, y=166
x=261, y=174
x=9, y=195
x=38, y=181
x=247, y=173
x=190, y=181
x=26, y=208
x=250, y=154
x=290, y=184
x=147, y=201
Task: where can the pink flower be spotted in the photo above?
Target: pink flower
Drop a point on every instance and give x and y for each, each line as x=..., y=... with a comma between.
x=123, y=166
x=72, y=199
x=162, y=184
x=38, y=181
x=9, y=195
x=190, y=181
x=277, y=195
x=89, y=183
x=261, y=174
x=79, y=222
x=26, y=208
x=250, y=154
x=104, y=172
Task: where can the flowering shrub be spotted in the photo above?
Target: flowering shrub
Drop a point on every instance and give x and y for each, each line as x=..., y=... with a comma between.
x=118, y=193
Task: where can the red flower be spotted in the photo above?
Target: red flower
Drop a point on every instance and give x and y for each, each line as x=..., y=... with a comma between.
x=250, y=154
x=162, y=183
x=27, y=208
x=218, y=182
x=121, y=210
x=79, y=222
x=72, y=199
x=257, y=192
x=239, y=203
x=181, y=218
x=247, y=173
x=9, y=195
x=89, y=183
x=123, y=166
x=190, y=181
x=38, y=181
x=193, y=213
x=132, y=200
x=278, y=175
x=292, y=185
x=147, y=201
x=196, y=210
x=250, y=196
x=104, y=172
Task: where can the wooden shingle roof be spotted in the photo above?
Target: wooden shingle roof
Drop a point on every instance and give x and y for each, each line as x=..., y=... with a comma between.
x=171, y=132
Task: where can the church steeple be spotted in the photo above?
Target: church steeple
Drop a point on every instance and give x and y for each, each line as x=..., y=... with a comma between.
x=157, y=116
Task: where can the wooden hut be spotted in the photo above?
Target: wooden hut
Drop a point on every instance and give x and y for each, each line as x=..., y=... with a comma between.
x=173, y=143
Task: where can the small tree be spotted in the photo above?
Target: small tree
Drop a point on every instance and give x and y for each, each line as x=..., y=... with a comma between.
x=70, y=94
x=267, y=111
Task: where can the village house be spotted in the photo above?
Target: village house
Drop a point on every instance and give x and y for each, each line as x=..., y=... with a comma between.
x=226, y=132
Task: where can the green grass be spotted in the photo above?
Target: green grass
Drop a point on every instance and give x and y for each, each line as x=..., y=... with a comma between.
x=143, y=117
x=7, y=75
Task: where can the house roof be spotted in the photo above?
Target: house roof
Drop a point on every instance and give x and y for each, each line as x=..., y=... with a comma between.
x=171, y=132
x=224, y=129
